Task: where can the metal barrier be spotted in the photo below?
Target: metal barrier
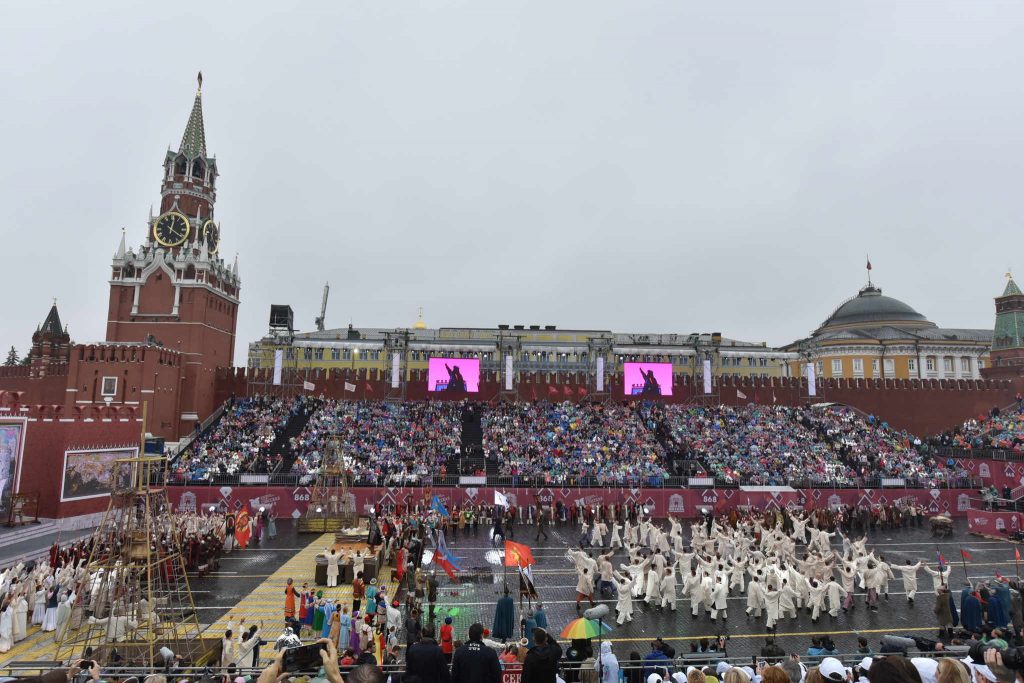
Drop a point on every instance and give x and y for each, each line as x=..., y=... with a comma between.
x=680, y=662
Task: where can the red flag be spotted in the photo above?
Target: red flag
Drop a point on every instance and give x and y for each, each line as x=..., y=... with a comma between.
x=518, y=555
x=966, y=555
x=1016, y=552
x=582, y=391
x=369, y=388
x=447, y=566
x=1000, y=577
x=552, y=389
x=567, y=390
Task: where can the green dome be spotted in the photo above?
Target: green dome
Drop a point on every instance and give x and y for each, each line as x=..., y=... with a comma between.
x=871, y=309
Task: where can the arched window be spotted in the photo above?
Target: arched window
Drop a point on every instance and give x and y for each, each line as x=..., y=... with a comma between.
x=198, y=169
x=179, y=165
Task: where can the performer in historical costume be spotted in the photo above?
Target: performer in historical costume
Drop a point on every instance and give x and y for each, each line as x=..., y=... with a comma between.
x=20, y=616
x=332, y=567
x=289, y=600
x=39, y=604
x=6, y=627
x=344, y=628
x=50, y=617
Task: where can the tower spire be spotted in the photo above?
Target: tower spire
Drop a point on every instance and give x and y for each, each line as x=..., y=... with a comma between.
x=193, y=142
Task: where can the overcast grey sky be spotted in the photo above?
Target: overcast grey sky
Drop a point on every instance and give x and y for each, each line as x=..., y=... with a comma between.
x=639, y=166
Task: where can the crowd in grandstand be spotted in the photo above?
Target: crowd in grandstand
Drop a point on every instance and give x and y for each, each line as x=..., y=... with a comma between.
x=999, y=429
x=240, y=440
x=777, y=445
x=561, y=442
x=381, y=442
x=576, y=443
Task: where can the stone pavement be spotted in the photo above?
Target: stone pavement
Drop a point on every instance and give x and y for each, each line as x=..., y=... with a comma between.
x=251, y=583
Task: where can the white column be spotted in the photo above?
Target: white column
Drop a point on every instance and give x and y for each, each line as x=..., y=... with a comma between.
x=956, y=366
x=940, y=366
x=922, y=369
x=974, y=368
x=177, y=300
x=135, y=301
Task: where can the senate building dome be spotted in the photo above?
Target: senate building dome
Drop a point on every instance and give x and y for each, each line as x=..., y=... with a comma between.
x=874, y=336
x=870, y=308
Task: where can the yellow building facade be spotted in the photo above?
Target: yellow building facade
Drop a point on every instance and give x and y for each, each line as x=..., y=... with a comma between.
x=873, y=336
x=533, y=348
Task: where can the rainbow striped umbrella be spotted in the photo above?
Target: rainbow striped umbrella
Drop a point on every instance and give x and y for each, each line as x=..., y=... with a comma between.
x=585, y=628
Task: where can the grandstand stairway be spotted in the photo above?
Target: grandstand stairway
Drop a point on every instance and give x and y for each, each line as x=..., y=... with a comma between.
x=294, y=427
x=472, y=441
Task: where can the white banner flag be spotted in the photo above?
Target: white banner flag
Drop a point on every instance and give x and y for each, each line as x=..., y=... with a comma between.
x=599, y=386
x=707, y=376
x=812, y=381
x=396, y=370
x=308, y=386
x=500, y=499
x=509, y=374
x=278, y=360
x=350, y=387
x=740, y=394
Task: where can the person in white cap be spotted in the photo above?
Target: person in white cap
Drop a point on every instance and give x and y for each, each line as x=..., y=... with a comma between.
x=833, y=671
x=927, y=667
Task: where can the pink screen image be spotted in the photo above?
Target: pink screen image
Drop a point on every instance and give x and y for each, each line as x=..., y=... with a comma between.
x=647, y=379
x=454, y=374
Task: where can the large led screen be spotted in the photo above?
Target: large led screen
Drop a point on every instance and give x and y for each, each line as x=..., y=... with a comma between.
x=461, y=375
x=647, y=379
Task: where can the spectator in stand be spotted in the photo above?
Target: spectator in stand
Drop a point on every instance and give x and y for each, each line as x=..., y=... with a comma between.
x=239, y=442
x=562, y=442
x=399, y=443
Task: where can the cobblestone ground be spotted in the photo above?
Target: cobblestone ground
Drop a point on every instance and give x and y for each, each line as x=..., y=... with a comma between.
x=250, y=583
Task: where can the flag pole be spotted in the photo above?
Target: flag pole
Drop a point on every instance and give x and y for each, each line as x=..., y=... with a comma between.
x=963, y=560
x=938, y=554
x=1016, y=561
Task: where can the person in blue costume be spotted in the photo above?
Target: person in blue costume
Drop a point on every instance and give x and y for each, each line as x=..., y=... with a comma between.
x=504, y=618
x=970, y=610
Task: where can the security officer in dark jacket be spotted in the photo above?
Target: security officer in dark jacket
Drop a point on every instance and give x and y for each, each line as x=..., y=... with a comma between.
x=425, y=659
x=541, y=663
x=474, y=662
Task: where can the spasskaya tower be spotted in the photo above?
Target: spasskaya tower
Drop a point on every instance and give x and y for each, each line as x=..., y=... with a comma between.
x=175, y=289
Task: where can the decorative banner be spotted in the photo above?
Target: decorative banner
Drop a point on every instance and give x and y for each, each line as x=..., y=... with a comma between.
x=92, y=474
x=707, y=375
x=600, y=374
x=396, y=369
x=509, y=375
x=12, y=446
x=812, y=382
x=308, y=386
x=349, y=386
x=278, y=360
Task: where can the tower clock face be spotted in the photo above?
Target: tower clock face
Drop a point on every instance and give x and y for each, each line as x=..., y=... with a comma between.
x=171, y=229
x=211, y=235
